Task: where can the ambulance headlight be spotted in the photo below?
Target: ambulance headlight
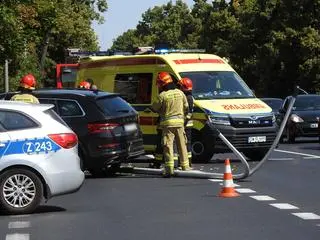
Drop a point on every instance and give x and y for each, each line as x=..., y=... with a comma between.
x=220, y=119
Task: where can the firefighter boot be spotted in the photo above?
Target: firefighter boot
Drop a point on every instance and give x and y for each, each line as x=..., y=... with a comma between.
x=167, y=172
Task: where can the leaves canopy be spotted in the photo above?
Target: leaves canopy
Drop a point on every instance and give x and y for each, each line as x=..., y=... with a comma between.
x=41, y=30
x=272, y=44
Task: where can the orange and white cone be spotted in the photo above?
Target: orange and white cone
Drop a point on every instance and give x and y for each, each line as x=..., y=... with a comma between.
x=228, y=186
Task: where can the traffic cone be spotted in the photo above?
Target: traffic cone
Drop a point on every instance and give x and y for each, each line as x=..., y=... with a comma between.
x=228, y=186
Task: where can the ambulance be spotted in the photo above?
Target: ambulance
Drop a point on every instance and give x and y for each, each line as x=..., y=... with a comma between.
x=222, y=100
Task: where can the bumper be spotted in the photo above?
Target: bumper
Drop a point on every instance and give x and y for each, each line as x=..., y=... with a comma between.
x=62, y=173
x=241, y=138
x=103, y=158
x=304, y=129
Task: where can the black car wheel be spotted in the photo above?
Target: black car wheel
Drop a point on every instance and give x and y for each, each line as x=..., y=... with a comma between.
x=21, y=191
x=201, y=152
x=256, y=154
x=290, y=136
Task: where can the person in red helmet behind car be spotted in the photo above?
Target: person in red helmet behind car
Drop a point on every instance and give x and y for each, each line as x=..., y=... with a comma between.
x=85, y=84
x=186, y=86
x=27, y=85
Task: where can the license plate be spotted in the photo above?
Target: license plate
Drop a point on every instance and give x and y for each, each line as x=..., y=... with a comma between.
x=257, y=139
x=130, y=127
x=314, y=125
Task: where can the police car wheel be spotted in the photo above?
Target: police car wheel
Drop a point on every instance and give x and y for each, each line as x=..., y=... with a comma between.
x=21, y=191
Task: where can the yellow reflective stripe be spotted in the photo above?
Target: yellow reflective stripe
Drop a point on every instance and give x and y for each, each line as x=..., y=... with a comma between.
x=176, y=121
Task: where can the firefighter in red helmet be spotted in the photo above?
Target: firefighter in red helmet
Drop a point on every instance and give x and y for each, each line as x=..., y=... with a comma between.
x=85, y=84
x=172, y=106
x=27, y=85
x=186, y=87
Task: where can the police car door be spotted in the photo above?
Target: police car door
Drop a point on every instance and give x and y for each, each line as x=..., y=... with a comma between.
x=4, y=141
x=4, y=136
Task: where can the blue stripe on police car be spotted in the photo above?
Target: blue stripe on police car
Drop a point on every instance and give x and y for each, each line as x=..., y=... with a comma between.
x=29, y=146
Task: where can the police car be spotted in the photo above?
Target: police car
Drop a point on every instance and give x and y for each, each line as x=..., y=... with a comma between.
x=38, y=156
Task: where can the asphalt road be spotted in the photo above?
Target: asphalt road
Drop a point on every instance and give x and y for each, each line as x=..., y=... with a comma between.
x=280, y=201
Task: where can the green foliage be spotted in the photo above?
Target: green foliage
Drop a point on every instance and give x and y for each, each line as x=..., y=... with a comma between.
x=273, y=44
x=39, y=31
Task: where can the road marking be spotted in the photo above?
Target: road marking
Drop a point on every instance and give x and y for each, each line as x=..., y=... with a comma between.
x=18, y=236
x=311, y=157
x=263, y=198
x=281, y=159
x=19, y=224
x=215, y=180
x=20, y=216
x=307, y=216
x=283, y=206
x=245, y=190
x=297, y=153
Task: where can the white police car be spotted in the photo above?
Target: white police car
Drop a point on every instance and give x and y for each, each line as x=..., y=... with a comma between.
x=38, y=156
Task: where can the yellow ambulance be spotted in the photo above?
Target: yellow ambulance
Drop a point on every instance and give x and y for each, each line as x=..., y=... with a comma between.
x=222, y=99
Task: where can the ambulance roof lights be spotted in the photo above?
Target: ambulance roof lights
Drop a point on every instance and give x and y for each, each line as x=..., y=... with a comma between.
x=165, y=51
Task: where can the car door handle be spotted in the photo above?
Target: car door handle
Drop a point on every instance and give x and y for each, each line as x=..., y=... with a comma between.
x=2, y=145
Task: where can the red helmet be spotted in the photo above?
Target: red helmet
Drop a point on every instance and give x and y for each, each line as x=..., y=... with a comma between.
x=186, y=84
x=163, y=79
x=84, y=84
x=28, y=81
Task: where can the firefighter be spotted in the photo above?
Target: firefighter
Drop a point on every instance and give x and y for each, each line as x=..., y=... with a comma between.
x=186, y=87
x=27, y=85
x=85, y=84
x=172, y=106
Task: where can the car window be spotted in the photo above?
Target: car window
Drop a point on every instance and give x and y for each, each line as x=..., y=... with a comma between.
x=275, y=104
x=16, y=121
x=49, y=101
x=307, y=103
x=217, y=85
x=135, y=88
x=114, y=106
x=69, y=108
x=55, y=116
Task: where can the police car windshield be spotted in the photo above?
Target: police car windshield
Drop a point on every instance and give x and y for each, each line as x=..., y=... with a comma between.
x=218, y=85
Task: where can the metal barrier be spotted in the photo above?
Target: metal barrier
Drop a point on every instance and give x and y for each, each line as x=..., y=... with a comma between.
x=208, y=175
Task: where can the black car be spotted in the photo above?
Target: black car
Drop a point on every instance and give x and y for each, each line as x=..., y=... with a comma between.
x=275, y=104
x=304, y=117
x=106, y=125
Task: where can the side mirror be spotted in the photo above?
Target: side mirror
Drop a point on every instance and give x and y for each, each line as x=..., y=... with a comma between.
x=282, y=110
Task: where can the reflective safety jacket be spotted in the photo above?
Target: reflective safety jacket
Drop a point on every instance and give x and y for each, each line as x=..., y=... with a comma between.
x=24, y=97
x=172, y=105
x=189, y=122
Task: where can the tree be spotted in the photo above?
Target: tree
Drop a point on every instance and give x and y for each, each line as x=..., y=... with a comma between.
x=39, y=31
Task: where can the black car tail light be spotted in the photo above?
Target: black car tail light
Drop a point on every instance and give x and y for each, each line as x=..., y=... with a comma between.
x=65, y=140
x=101, y=127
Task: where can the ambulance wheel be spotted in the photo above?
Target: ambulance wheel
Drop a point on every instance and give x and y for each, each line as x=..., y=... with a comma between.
x=200, y=151
x=21, y=191
x=256, y=155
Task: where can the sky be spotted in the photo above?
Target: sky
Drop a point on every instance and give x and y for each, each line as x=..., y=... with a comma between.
x=123, y=15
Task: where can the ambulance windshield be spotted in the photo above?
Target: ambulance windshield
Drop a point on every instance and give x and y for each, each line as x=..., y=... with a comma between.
x=218, y=85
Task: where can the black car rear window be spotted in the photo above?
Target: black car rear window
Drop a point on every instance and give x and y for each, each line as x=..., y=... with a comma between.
x=114, y=106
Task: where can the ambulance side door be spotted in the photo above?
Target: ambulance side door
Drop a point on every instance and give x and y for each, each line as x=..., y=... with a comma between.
x=136, y=89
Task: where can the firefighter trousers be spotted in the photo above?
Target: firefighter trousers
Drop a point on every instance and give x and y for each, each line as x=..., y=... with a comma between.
x=169, y=135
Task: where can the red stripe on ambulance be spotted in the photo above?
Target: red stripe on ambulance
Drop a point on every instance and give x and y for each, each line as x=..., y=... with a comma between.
x=122, y=62
x=192, y=61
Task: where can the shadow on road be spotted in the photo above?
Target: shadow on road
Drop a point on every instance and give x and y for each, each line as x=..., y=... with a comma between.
x=48, y=209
